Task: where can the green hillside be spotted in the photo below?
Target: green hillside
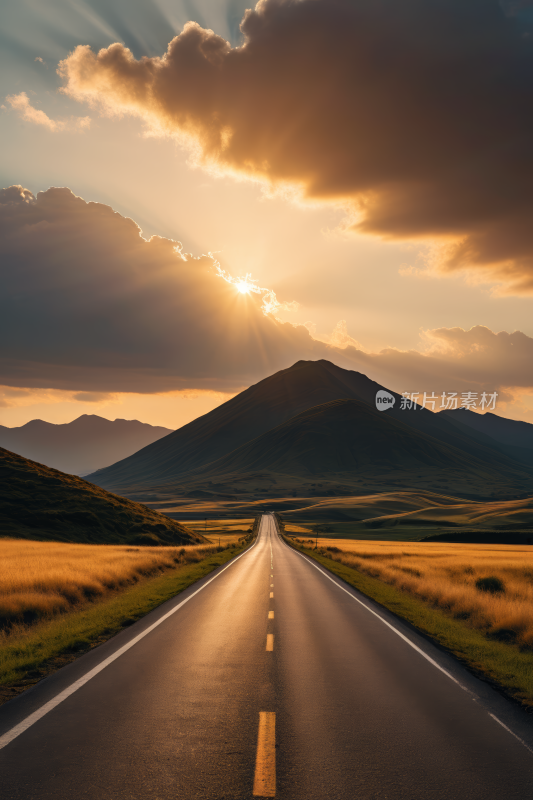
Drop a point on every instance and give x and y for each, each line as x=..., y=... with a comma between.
x=37, y=502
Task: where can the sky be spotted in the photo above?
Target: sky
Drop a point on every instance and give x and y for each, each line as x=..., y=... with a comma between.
x=366, y=163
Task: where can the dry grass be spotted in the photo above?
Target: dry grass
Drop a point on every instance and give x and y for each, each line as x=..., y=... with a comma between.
x=290, y=528
x=39, y=580
x=445, y=575
x=228, y=531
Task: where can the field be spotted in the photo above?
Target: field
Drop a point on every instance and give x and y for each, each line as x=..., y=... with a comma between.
x=225, y=531
x=42, y=579
x=432, y=586
x=59, y=600
x=453, y=578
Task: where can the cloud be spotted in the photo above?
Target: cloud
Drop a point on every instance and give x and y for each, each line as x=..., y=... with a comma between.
x=339, y=337
x=89, y=306
x=20, y=102
x=92, y=397
x=416, y=115
x=246, y=285
x=458, y=360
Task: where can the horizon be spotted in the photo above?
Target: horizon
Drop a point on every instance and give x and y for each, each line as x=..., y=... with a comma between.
x=227, y=399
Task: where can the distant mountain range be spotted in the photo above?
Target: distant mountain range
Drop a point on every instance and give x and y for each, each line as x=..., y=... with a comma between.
x=290, y=434
x=37, y=502
x=82, y=446
x=515, y=436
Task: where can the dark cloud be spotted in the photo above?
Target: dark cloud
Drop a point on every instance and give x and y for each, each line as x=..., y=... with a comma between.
x=416, y=113
x=92, y=397
x=88, y=305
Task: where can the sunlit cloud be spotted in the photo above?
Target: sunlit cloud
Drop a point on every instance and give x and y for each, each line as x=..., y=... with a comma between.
x=340, y=338
x=129, y=316
x=375, y=126
x=246, y=285
x=21, y=103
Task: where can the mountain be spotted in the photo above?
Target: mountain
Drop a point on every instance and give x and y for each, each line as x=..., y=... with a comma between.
x=264, y=406
x=37, y=502
x=81, y=446
x=344, y=439
x=514, y=436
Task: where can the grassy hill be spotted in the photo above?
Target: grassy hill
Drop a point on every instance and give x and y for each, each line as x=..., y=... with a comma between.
x=420, y=508
x=416, y=515
x=37, y=502
x=269, y=404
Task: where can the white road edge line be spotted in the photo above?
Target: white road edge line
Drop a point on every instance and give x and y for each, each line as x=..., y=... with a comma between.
x=384, y=621
x=11, y=734
x=511, y=732
x=411, y=644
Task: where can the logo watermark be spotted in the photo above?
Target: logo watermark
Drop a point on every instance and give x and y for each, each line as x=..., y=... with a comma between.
x=384, y=400
x=449, y=401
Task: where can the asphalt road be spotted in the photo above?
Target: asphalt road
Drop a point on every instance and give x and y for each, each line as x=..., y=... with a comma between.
x=214, y=696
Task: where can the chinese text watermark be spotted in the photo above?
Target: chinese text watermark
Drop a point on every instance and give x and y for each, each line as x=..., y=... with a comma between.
x=449, y=400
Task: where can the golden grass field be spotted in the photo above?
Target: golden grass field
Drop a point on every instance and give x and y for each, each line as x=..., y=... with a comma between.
x=444, y=576
x=42, y=579
x=229, y=531
x=407, y=508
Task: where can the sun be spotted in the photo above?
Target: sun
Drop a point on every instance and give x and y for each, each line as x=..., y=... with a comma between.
x=244, y=286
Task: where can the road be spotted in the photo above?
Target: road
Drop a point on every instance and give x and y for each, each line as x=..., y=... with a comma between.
x=269, y=678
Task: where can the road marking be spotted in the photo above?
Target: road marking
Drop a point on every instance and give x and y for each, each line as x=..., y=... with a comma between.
x=510, y=731
x=11, y=734
x=410, y=643
x=271, y=615
x=384, y=621
x=270, y=642
x=271, y=595
x=271, y=585
x=265, y=759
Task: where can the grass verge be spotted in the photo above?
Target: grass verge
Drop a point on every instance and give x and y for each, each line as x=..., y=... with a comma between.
x=49, y=645
x=505, y=666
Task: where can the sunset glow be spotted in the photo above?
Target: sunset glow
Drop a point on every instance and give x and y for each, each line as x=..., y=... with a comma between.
x=385, y=254
x=243, y=286
x=266, y=273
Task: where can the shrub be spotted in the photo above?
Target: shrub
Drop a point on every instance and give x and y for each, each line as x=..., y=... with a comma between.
x=490, y=584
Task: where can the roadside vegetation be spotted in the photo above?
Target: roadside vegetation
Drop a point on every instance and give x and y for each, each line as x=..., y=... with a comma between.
x=476, y=600
x=43, y=579
x=59, y=600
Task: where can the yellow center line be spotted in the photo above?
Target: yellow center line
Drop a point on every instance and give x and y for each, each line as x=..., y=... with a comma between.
x=271, y=615
x=270, y=642
x=271, y=585
x=265, y=759
x=271, y=595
